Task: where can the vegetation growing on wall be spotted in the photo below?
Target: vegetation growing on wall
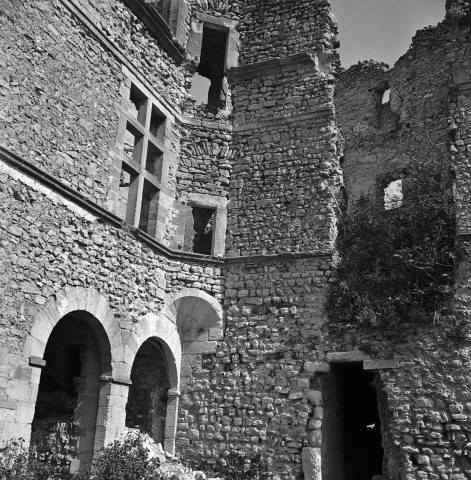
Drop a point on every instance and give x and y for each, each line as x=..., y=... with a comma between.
x=396, y=265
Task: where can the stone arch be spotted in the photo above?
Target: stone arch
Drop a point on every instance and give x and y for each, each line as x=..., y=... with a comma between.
x=199, y=320
x=73, y=299
x=160, y=328
x=95, y=310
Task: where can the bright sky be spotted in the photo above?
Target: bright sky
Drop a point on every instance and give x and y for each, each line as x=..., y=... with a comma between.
x=381, y=29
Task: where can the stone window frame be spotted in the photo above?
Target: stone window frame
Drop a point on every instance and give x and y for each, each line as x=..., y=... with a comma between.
x=120, y=158
x=219, y=205
x=195, y=40
x=311, y=460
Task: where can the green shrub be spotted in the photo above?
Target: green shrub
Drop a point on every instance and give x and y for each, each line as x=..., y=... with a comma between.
x=124, y=459
x=20, y=463
x=396, y=265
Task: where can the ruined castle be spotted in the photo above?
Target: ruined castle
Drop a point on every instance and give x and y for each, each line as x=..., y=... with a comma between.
x=165, y=265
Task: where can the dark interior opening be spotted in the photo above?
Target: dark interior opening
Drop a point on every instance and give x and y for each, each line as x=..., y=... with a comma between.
x=212, y=65
x=57, y=393
x=64, y=423
x=138, y=104
x=362, y=447
x=133, y=143
x=154, y=160
x=149, y=208
x=147, y=402
x=203, y=227
x=157, y=124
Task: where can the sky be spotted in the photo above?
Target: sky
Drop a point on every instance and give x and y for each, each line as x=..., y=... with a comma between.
x=370, y=29
x=381, y=29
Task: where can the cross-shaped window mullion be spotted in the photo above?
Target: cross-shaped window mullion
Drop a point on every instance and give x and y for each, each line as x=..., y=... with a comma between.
x=143, y=138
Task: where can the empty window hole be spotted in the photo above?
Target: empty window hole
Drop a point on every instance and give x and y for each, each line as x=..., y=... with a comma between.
x=154, y=160
x=133, y=142
x=149, y=208
x=137, y=104
x=203, y=227
x=393, y=196
x=212, y=65
x=157, y=124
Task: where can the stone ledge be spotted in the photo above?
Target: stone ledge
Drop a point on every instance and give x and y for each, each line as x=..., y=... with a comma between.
x=216, y=124
x=463, y=236
x=116, y=379
x=464, y=87
x=347, y=357
x=37, y=362
x=380, y=364
x=316, y=118
x=275, y=66
x=316, y=367
x=278, y=257
x=70, y=194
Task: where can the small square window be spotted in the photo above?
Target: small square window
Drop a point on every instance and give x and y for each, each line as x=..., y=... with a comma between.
x=138, y=104
x=133, y=142
x=127, y=184
x=157, y=124
x=154, y=160
x=149, y=208
x=201, y=230
x=393, y=196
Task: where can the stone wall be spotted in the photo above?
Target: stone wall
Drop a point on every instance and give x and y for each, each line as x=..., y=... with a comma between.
x=272, y=29
x=383, y=139
x=286, y=171
x=423, y=403
x=252, y=395
x=58, y=102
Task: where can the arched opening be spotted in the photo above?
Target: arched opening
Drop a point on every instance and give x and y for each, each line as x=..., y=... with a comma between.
x=65, y=419
x=146, y=408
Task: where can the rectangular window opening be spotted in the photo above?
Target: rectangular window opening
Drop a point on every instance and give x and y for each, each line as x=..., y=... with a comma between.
x=127, y=186
x=138, y=101
x=203, y=230
x=393, y=195
x=133, y=143
x=154, y=160
x=149, y=208
x=212, y=65
x=157, y=124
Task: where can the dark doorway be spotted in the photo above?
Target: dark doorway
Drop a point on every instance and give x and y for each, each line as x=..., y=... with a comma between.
x=212, y=65
x=147, y=401
x=352, y=439
x=64, y=422
x=362, y=449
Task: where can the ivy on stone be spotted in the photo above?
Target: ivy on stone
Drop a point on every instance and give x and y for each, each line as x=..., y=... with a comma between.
x=396, y=266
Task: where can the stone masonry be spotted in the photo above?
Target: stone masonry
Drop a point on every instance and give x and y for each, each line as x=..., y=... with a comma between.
x=111, y=177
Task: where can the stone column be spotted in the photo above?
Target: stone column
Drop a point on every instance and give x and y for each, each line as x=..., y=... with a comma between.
x=171, y=420
x=111, y=421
